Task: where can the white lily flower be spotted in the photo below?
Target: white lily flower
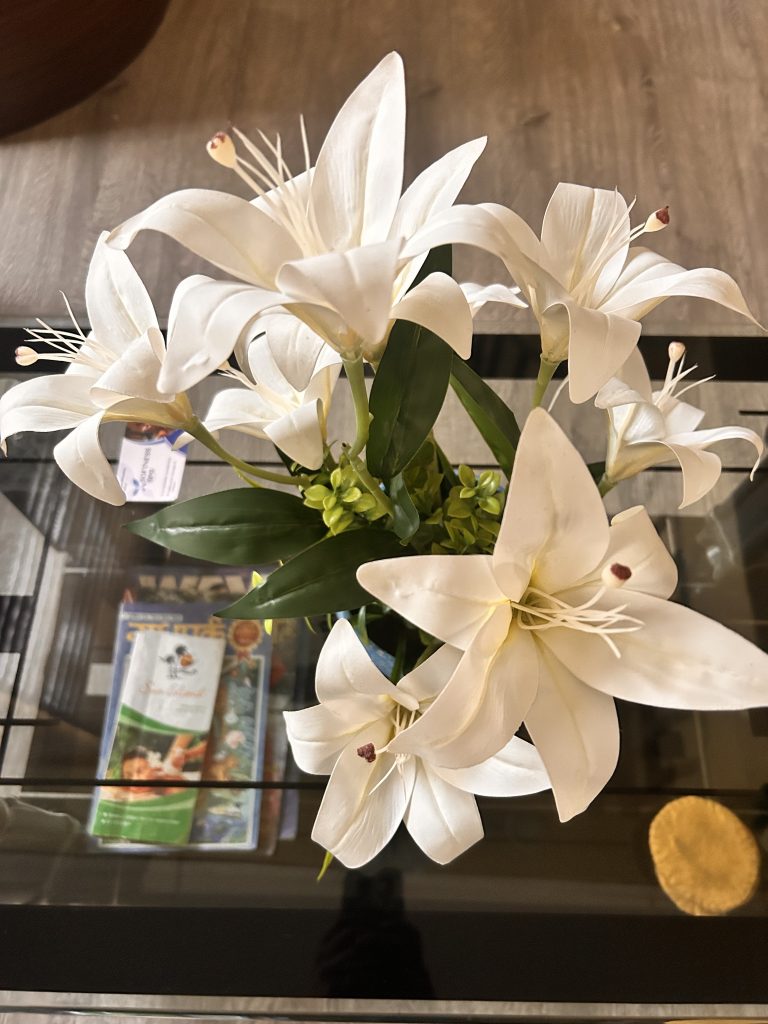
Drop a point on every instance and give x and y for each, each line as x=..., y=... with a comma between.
x=288, y=374
x=371, y=790
x=647, y=427
x=548, y=637
x=327, y=244
x=112, y=375
x=586, y=285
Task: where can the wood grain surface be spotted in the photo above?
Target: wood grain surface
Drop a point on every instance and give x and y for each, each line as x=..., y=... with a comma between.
x=665, y=100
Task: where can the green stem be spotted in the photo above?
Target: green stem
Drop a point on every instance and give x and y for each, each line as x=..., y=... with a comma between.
x=356, y=376
x=546, y=371
x=204, y=436
x=604, y=485
x=371, y=484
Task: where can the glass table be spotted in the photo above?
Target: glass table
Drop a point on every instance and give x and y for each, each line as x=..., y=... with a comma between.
x=539, y=919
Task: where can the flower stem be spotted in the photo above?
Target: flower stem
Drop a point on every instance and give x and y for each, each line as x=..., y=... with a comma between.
x=356, y=376
x=204, y=436
x=546, y=371
x=371, y=485
x=605, y=484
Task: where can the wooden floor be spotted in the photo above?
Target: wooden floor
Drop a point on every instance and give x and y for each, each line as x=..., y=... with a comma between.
x=666, y=99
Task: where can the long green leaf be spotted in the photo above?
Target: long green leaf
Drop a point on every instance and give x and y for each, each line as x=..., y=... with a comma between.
x=406, y=518
x=492, y=417
x=237, y=527
x=407, y=395
x=319, y=580
x=410, y=386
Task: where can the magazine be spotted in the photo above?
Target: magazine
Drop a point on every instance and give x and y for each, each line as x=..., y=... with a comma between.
x=223, y=818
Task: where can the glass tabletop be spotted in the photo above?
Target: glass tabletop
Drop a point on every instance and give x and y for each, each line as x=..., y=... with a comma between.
x=558, y=899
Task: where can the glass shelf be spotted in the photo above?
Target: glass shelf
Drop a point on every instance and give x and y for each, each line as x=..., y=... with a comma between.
x=575, y=907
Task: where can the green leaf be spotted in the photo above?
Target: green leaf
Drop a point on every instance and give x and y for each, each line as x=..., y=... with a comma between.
x=237, y=527
x=439, y=259
x=318, y=580
x=408, y=392
x=406, y=519
x=407, y=395
x=492, y=417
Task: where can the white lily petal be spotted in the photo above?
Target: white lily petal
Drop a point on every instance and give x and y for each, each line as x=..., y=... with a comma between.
x=134, y=374
x=479, y=295
x=554, y=524
x=435, y=189
x=227, y=231
x=295, y=351
x=576, y=732
x=449, y=596
x=635, y=375
x=438, y=304
x=318, y=736
x=53, y=402
x=344, y=670
x=299, y=434
x=701, y=470
x=704, y=438
x=119, y=308
x=210, y=318
x=431, y=192
x=325, y=378
x=682, y=418
x=79, y=456
x=240, y=409
x=634, y=542
x=430, y=677
x=356, y=284
x=586, y=235
x=363, y=805
x=615, y=393
x=484, y=702
x=598, y=345
x=359, y=171
x=637, y=292
x=442, y=820
x=678, y=659
x=517, y=770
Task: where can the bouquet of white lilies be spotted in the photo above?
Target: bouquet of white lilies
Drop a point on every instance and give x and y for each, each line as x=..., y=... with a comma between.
x=514, y=601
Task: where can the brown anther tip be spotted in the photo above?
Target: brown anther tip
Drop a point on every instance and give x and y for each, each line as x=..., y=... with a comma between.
x=367, y=752
x=621, y=572
x=663, y=215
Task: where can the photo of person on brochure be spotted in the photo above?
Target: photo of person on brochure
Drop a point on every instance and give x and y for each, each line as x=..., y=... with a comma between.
x=143, y=758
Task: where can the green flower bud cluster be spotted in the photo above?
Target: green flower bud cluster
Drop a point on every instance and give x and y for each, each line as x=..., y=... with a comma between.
x=338, y=496
x=423, y=479
x=470, y=515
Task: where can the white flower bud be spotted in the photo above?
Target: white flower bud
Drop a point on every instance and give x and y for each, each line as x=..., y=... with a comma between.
x=221, y=148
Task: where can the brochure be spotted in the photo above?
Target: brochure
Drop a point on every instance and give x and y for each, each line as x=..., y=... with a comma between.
x=161, y=736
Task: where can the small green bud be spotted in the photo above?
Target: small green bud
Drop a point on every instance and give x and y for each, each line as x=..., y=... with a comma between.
x=329, y=502
x=466, y=476
x=351, y=495
x=365, y=503
x=467, y=492
x=337, y=478
x=316, y=492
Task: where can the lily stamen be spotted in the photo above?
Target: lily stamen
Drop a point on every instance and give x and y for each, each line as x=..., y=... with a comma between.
x=584, y=617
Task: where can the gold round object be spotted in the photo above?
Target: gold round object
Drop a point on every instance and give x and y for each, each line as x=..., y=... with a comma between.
x=706, y=859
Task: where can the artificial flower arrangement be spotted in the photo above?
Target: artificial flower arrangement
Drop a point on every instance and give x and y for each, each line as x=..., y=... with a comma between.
x=516, y=601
